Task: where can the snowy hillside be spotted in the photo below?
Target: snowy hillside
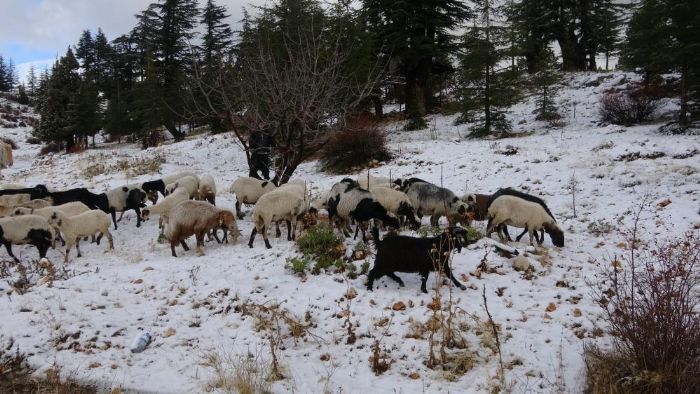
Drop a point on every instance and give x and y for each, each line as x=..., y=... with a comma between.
x=199, y=307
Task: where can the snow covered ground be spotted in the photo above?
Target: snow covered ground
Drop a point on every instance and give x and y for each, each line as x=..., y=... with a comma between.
x=193, y=305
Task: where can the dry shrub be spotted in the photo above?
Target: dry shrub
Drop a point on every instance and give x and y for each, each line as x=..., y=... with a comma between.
x=9, y=141
x=51, y=147
x=243, y=373
x=651, y=301
x=358, y=145
x=628, y=108
x=33, y=140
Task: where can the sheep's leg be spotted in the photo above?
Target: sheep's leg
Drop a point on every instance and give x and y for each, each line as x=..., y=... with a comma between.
x=121, y=214
x=435, y=220
x=357, y=229
x=395, y=278
x=60, y=238
x=172, y=248
x=77, y=246
x=423, y=281
x=373, y=274
x=448, y=271
x=8, y=246
x=252, y=236
x=114, y=217
x=264, y=234
x=200, y=243
x=530, y=233
x=521, y=234
x=278, y=232
x=138, y=216
x=43, y=248
x=109, y=238
x=363, y=227
x=489, y=227
x=541, y=240
x=503, y=228
x=238, y=210
x=289, y=230
x=184, y=245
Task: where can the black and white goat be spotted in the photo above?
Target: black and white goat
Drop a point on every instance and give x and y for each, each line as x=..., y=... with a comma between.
x=348, y=201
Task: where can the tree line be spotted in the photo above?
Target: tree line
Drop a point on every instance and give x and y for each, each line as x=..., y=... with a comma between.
x=297, y=68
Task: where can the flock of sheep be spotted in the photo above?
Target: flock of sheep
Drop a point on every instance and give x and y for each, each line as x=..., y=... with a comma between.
x=38, y=216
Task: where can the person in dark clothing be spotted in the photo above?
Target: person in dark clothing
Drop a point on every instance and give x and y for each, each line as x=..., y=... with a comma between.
x=260, y=145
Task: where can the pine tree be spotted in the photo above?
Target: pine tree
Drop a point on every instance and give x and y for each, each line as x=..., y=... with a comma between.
x=85, y=51
x=32, y=81
x=217, y=37
x=3, y=76
x=545, y=83
x=11, y=78
x=22, y=97
x=58, y=100
x=487, y=87
x=664, y=35
x=416, y=33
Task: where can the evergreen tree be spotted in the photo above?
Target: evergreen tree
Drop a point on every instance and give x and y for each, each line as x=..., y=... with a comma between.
x=102, y=64
x=545, y=83
x=533, y=25
x=487, y=86
x=22, y=95
x=32, y=81
x=85, y=52
x=217, y=37
x=664, y=35
x=3, y=75
x=58, y=99
x=416, y=33
x=11, y=74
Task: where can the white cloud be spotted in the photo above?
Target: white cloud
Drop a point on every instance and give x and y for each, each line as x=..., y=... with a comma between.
x=39, y=65
x=50, y=26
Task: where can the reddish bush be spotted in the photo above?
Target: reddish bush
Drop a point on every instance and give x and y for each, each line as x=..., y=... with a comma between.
x=51, y=147
x=629, y=108
x=651, y=301
x=360, y=143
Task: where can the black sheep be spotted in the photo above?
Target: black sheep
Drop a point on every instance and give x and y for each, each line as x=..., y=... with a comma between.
x=410, y=254
x=92, y=200
x=152, y=188
x=36, y=192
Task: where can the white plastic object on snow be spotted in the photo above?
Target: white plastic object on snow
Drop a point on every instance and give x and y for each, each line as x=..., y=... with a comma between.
x=140, y=342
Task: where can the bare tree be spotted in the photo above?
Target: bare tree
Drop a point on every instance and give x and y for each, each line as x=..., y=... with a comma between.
x=299, y=91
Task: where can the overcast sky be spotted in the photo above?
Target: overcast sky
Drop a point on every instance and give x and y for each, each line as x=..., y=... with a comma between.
x=37, y=31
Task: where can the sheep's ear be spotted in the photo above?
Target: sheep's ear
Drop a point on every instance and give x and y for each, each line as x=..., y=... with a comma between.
x=125, y=189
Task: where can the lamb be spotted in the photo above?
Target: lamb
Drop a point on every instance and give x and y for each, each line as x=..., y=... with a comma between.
x=429, y=199
x=349, y=201
x=153, y=187
x=75, y=227
x=274, y=206
x=512, y=192
x=92, y=200
x=197, y=218
x=373, y=181
x=189, y=183
x=28, y=229
x=165, y=205
x=410, y=254
x=207, y=189
x=396, y=202
x=519, y=212
x=248, y=190
x=124, y=198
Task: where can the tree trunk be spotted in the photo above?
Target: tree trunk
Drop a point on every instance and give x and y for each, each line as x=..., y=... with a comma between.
x=568, y=52
x=177, y=135
x=683, y=115
x=415, y=105
x=378, y=108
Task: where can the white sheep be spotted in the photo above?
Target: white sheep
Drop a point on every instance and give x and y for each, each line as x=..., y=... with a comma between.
x=396, y=202
x=75, y=227
x=207, y=189
x=12, y=186
x=165, y=205
x=35, y=204
x=248, y=190
x=189, y=183
x=29, y=229
x=70, y=209
x=197, y=218
x=274, y=206
x=178, y=175
x=518, y=212
x=14, y=199
x=373, y=181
